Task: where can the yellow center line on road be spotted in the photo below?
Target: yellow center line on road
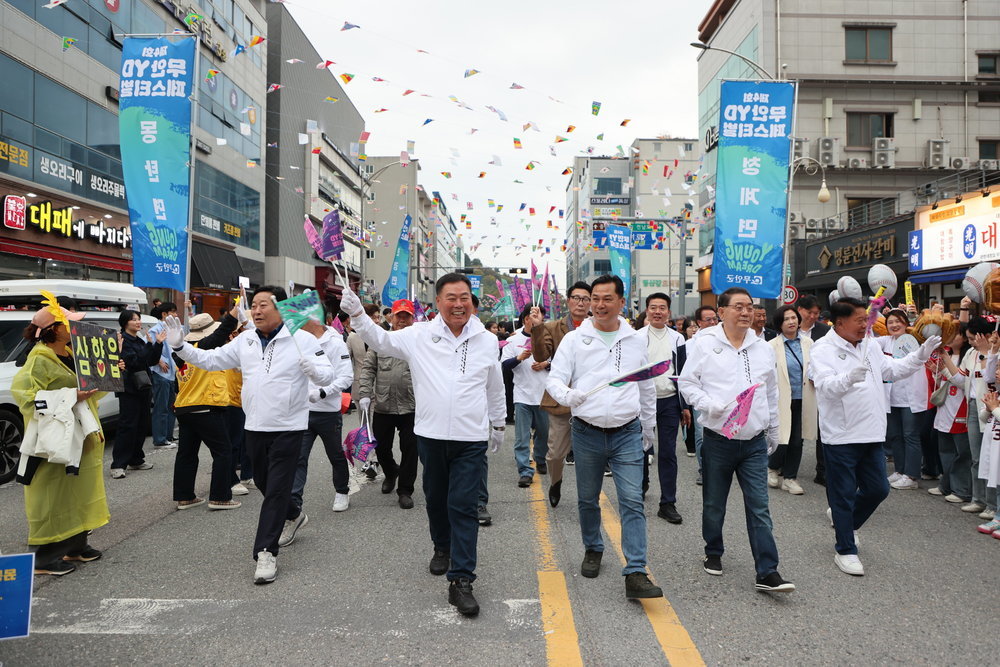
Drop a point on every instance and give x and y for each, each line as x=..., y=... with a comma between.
x=562, y=644
x=670, y=632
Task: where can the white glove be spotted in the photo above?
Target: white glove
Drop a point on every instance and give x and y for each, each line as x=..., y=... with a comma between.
x=648, y=439
x=241, y=315
x=932, y=343
x=175, y=332
x=314, y=396
x=857, y=374
x=575, y=398
x=496, y=438
x=363, y=403
x=773, y=435
x=309, y=369
x=351, y=304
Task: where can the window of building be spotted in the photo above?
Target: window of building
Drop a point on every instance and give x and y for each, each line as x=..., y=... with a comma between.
x=60, y=110
x=989, y=96
x=688, y=147
x=102, y=130
x=988, y=63
x=607, y=186
x=371, y=196
x=235, y=205
x=989, y=149
x=657, y=146
x=602, y=266
x=19, y=86
x=863, y=128
x=868, y=44
x=869, y=210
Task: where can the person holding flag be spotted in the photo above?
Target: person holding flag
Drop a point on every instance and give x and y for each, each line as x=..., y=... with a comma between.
x=730, y=378
x=609, y=425
x=277, y=362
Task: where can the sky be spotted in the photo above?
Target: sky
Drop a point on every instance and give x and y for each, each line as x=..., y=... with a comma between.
x=633, y=57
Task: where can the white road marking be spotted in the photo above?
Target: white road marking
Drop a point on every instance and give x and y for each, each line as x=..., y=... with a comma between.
x=127, y=616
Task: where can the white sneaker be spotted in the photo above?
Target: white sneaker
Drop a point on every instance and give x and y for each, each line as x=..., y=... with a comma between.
x=904, y=483
x=240, y=490
x=973, y=508
x=952, y=498
x=936, y=491
x=291, y=526
x=341, y=501
x=894, y=477
x=267, y=568
x=792, y=487
x=118, y=473
x=248, y=483
x=773, y=479
x=988, y=515
x=850, y=564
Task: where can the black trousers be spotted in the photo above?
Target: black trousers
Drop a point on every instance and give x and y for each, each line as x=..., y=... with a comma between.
x=383, y=428
x=210, y=428
x=133, y=425
x=46, y=554
x=275, y=456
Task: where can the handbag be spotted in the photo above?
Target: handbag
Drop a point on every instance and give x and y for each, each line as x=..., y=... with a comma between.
x=940, y=395
x=139, y=381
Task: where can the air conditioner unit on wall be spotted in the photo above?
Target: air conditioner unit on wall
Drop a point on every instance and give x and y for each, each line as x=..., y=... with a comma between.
x=800, y=148
x=960, y=163
x=989, y=165
x=795, y=216
x=812, y=236
x=831, y=224
x=796, y=232
x=884, y=153
x=857, y=163
x=938, y=153
x=829, y=151
x=813, y=223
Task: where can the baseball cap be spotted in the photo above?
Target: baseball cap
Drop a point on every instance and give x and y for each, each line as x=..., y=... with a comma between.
x=402, y=305
x=45, y=318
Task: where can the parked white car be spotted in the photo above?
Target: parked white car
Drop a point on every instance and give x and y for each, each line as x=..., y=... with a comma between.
x=89, y=296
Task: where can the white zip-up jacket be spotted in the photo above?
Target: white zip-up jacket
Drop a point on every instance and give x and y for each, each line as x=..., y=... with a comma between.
x=584, y=361
x=716, y=372
x=335, y=349
x=666, y=384
x=529, y=385
x=275, y=392
x=854, y=413
x=457, y=383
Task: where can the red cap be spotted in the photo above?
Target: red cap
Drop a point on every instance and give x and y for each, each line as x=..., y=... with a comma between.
x=402, y=305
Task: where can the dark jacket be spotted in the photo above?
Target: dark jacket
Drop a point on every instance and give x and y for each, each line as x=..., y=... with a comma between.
x=819, y=330
x=138, y=355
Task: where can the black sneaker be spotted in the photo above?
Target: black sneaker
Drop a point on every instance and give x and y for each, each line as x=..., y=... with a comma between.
x=460, y=595
x=524, y=481
x=405, y=501
x=85, y=556
x=440, y=562
x=570, y=459
x=699, y=481
x=591, y=564
x=542, y=468
x=483, y=515
x=388, y=484
x=773, y=583
x=819, y=479
x=669, y=512
x=555, y=493
x=713, y=565
x=638, y=585
x=57, y=568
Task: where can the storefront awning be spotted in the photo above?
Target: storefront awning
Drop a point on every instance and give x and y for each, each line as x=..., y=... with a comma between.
x=949, y=276
x=214, y=268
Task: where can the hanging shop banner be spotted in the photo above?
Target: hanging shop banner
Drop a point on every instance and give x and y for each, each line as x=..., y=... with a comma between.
x=751, y=192
x=96, y=354
x=477, y=285
x=154, y=122
x=396, y=286
x=620, y=251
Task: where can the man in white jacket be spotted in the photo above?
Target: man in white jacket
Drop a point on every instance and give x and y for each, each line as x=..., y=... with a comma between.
x=275, y=396
x=326, y=423
x=722, y=362
x=848, y=373
x=609, y=426
x=460, y=404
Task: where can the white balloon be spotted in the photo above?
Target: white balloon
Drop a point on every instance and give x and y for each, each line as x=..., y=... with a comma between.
x=975, y=279
x=834, y=297
x=879, y=276
x=849, y=287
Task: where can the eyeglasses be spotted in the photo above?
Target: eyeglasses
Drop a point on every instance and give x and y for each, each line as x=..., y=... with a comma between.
x=709, y=318
x=580, y=299
x=741, y=307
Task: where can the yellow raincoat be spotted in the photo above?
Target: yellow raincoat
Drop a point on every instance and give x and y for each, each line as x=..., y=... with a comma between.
x=58, y=505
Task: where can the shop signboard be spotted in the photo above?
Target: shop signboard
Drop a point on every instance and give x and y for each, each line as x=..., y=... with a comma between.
x=958, y=235
x=880, y=244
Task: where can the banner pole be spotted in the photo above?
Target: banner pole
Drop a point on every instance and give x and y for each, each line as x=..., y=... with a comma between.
x=196, y=86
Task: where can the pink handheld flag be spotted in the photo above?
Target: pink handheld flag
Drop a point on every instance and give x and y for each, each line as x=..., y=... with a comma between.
x=737, y=419
x=647, y=372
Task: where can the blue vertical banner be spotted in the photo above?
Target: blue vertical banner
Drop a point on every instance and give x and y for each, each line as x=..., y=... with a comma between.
x=154, y=121
x=477, y=285
x=16, y=583
x=396, y=286
x=751, y=192
x=620, y=251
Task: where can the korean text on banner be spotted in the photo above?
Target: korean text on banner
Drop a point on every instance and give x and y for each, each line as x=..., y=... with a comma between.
x=154, y=122
x=396, y=286
x=751, y=194
x=16, y=583
x=477, y=285
x=96, y=356
x=620, y=251
x=332, y=239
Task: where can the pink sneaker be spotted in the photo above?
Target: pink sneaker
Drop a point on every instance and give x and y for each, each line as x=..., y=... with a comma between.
x=996, y=534
x=989, y=527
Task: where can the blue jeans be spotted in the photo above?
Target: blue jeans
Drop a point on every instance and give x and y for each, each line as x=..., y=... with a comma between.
x=903, y=435
x=528, y=418
x=699, y=437
x=623, y=450
x=668, y=419
x=163, y=409
x=452, y=474
x=955, y=464
x=748, y=459
x=855, y=486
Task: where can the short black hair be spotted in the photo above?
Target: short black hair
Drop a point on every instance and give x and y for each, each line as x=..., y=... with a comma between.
x=475, y=301
x=980, y=325
x=449, y=278
x=606, y=279
x=807, y=302
x=844, y=307
x=527, y=309
x=167, y=306
x=759, y=306
x=657, y=295
x=778, y=319
x=727, y=296
x=387, y=311
x=702, y=309
x=125, y=317
x=579, y=284
x=278, y=293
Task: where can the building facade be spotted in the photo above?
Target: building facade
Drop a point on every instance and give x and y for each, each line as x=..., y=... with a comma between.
x=880, y=111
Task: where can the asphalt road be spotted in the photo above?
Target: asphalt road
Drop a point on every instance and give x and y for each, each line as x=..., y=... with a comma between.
x=174, y=588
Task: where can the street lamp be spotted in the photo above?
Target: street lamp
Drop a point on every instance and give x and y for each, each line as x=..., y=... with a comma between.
x=706, y=47
x=810, y=166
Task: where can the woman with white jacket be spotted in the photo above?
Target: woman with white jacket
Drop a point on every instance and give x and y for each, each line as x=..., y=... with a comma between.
x=796, y=400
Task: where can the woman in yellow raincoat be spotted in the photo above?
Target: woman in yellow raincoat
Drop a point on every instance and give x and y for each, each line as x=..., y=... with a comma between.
x=61, y=508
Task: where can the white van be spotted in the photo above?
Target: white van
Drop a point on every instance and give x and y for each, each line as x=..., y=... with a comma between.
x=102, y=302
